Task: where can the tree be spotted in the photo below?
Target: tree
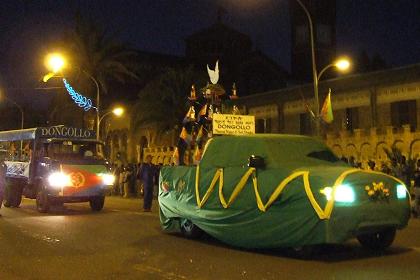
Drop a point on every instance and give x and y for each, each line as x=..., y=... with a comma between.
x=94, y=55
x=403, y=167
x=163, y=101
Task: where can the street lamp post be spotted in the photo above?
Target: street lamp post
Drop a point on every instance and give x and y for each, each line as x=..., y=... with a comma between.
x=55, y=62
x=341, y=64
x=314, y=71
x=118, y=111
x=98, y=120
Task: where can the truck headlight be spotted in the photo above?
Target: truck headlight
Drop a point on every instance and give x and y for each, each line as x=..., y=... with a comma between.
x=107, y=179
x=343, y=193
x=59, y=180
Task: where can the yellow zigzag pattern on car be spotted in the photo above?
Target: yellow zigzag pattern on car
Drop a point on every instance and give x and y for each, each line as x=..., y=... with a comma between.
x=218, y=176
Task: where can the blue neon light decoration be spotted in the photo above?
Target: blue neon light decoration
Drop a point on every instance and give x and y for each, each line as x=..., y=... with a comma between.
x=79, y=99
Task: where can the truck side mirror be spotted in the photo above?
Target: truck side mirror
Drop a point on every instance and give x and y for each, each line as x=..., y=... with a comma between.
x=256, y=161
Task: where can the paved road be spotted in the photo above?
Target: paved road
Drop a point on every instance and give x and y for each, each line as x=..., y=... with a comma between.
x=122, y=242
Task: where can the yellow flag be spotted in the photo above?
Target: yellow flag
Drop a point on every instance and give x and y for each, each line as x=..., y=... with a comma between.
x=175, y=157
x=326, y=111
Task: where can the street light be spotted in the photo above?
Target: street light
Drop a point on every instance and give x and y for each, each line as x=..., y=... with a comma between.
x=117, y=111
x=55, y=62
x=340, y=64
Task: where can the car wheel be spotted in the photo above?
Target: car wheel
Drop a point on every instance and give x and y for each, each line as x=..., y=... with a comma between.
x=97, y=203
x=42, y=203
x=190, y=230
x=305, y=252
x=379, y=240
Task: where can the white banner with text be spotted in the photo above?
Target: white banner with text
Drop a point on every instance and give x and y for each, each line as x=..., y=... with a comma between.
x=233, y=124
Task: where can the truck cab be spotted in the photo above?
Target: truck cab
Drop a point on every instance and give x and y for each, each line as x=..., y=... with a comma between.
x=55, y=165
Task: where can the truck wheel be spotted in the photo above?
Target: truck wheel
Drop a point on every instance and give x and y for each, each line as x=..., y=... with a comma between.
x=12, y=195
x=190, y=230
x=97, y=203
x=16, y=196
x=379, y=240
x=42, y=203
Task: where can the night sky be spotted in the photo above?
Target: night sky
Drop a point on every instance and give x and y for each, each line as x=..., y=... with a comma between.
x=29, y=29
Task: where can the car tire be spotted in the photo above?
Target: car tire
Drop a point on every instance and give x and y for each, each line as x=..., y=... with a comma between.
x=97, y=203
x=305, y=252
x=379, y=240
x=13, y=196
x=190, y=230
x=42, y=202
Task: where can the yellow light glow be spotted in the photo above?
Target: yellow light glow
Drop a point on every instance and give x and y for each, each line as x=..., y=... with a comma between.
x=47, y=77
x=108, y=179
x=342, y=64
x=118, y=111
x=59, y=180
x=55, y=62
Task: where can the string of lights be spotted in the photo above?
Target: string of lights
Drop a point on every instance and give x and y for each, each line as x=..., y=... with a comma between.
x=80, y=100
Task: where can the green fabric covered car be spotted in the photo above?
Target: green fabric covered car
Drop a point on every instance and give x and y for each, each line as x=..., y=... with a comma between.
x=271, y=191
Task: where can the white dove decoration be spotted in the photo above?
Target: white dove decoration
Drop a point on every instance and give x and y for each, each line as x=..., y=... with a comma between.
x=214, y=74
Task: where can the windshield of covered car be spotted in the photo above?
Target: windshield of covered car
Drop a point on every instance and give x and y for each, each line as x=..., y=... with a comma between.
x=74, y=150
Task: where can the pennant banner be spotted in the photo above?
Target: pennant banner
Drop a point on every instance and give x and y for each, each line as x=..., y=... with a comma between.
x=326, y=111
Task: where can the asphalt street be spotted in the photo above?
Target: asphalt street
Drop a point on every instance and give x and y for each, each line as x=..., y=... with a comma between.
x=122, y=242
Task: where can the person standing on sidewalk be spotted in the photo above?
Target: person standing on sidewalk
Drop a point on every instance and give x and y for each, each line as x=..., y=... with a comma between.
x=146, y=174
x=127, y=180
x=3, y=170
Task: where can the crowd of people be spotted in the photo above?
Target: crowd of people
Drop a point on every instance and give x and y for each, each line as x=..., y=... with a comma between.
x=407, y=172
x=134, y=180
x=400, y=169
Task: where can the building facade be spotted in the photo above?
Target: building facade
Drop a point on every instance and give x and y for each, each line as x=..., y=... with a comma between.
x=371, y=111
x=250, y=70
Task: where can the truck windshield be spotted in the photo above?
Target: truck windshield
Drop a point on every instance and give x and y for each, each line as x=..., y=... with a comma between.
x=74, y=150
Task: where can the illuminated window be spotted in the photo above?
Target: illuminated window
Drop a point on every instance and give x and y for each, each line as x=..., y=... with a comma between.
x=351, y=118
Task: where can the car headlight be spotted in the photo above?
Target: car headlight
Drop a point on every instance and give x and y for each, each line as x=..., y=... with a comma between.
x=59, y=180
x=401, y=192
x=107, y=179
x=343, y=193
